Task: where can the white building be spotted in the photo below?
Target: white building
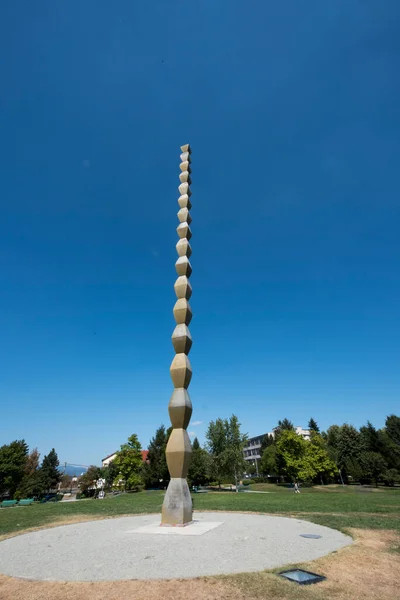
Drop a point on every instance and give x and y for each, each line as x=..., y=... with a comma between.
x=253, y=446
x=108, y=459
x=305, y=433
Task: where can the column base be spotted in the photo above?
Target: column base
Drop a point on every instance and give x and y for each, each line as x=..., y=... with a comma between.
x=177, y=505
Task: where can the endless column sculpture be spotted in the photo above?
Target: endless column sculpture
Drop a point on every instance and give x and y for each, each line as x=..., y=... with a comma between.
x=177, y=506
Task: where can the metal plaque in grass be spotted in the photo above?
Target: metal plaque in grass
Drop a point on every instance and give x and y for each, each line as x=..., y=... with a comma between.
x=302, y=577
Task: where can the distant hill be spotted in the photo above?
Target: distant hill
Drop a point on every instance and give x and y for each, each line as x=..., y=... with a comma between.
x=73, y=470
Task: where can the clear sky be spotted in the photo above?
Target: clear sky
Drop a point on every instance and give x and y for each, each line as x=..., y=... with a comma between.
x=293, y=113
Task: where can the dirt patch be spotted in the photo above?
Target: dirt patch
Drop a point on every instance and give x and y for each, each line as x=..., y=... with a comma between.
x=369, y=570
x=195, y=589
x=366, y=570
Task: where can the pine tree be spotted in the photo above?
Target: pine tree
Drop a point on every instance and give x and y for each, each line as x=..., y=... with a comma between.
x=13, y=459
x=313, y=425
x=392, y=426
x=49, y=473
x=284, y=425
x=373, y=466
x=371, y=438
x=350, y=446
x=268, y=440
x=199, y=465
x=155, y=470
x=390, y=437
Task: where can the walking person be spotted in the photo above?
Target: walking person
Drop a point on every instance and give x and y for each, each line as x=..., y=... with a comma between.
x=296, y=488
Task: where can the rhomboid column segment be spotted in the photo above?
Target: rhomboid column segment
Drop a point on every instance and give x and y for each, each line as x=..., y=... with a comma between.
x=177, y=506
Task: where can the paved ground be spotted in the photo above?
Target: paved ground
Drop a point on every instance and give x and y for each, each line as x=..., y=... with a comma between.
x=111, y=550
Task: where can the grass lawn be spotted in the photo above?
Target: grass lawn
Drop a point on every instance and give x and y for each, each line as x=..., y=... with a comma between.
x=366, y=570
x=334, y=508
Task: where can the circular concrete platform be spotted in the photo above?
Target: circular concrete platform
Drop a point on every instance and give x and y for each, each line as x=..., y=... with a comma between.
x=133, y=548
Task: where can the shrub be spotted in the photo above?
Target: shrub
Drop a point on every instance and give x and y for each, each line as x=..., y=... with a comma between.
x=138, y=488
x=259, y=479
x=390, y=477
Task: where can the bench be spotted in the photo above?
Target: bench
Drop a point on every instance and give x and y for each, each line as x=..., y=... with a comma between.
x=7, y=503
x=199, y=490
x=25, y=502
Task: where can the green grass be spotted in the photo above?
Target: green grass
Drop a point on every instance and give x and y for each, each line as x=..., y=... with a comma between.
x=336, y=508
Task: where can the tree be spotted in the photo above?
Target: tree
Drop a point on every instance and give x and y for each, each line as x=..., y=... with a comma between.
x=31, y=484
x=13, y=459
x=216, y=445
x=392, y=426
x=303, y=459
x=318, y=457
x=373, y=466
x=350, y=445
x=316, y=464
x=110, y=474
x=129, y=464
x=391, y=442
x=225, y=444
x=313, y=425
x=284, y=425
x=199, y=465
x=332, y=440
x=155, y=470
x=390, y=477
x=49, y=474
x=235, y=443
x=32, y=462
x=267, y=441
x=268, y=461
x=251, y=468
x=371, y=438
x=66, y=481
x=332, y=436
x=290, y=449
x=87, y=481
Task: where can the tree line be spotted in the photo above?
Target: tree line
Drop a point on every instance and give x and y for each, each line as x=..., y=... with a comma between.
x=221, y=458
x=342, y=453
x=22, y=475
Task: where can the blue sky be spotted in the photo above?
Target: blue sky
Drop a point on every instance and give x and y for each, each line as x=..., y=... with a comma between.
x=293, y=113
